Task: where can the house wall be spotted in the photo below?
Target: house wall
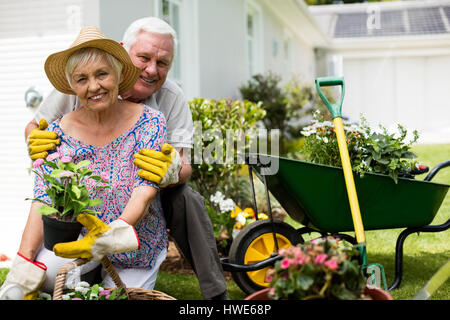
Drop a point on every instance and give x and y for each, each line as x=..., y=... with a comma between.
x=29, y=32
x=222, y=56
x=400, y=86
x=223, y=50
x=116, y=15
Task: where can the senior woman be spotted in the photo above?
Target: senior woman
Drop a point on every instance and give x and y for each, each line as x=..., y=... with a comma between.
x=107, y=131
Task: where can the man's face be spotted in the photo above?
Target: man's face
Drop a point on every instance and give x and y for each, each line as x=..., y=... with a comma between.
x=153, y=54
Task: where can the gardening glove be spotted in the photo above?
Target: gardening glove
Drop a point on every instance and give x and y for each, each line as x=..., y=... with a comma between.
x=40, y=142
x=161, y=167
x=101, y=240
x=24, y=279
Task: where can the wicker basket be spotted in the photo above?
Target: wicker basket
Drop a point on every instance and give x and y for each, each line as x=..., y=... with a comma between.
x=132, y=293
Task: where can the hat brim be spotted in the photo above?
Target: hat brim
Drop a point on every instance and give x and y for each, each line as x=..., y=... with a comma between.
x=56, y=63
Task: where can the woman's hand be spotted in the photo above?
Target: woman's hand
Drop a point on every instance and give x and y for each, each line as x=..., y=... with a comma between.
x=117, y=237
x=101, y=240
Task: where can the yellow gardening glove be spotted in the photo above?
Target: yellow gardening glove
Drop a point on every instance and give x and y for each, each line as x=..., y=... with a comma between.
x=101, y=240
x=161, y=167
x=40, y=142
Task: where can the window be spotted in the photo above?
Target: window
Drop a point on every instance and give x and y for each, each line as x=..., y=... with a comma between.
x=287, y=53
x=169, y=10
x=254, y=49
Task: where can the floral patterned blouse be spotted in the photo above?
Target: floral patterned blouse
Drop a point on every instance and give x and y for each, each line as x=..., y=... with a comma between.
x=116, y=159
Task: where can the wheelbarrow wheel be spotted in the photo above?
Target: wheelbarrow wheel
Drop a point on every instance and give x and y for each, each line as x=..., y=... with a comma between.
x=255, y=243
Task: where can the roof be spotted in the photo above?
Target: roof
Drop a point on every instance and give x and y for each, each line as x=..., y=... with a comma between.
x=385, y=19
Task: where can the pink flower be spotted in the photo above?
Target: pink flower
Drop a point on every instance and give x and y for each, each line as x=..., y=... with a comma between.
x=77, y=299
x=285, y=263
x=38, y=163
x=104, y=293
x=331, y=264
x=299, y=259
x=282, y=252
x=66, y=174
x=269, y=279
x=52, y=156
x=271, y=291
x=320, y=259
x=104, y=176
x=66, y=159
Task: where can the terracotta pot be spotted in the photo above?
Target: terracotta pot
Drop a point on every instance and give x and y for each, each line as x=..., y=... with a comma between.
x=377, y=293
x=373, y=292
x=57, y=231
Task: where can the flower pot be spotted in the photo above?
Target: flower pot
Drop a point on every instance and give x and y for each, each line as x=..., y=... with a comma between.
x=259, y=295
x=373, y=292
x=377, y=293
x=57, y=231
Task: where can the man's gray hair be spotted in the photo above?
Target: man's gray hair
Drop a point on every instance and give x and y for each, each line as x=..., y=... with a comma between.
x=149, y=24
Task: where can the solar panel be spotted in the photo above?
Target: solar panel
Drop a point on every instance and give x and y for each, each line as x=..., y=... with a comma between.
x=425, y=21
x=391, y=24
x=412, y=21
x=351, y=25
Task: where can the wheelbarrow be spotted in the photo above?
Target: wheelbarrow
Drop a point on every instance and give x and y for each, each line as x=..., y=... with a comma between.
x=312, y=195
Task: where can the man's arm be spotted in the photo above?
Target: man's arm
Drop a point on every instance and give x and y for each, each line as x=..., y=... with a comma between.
x=54, y=106
x=30, y=127
x=186, y=169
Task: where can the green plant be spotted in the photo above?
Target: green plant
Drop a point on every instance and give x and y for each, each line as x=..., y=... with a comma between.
x=84, y=291
x=287, y=106
x=219, y=210
x=320, y=269
x=370, y=150
x=65, y=184
x=222, y=131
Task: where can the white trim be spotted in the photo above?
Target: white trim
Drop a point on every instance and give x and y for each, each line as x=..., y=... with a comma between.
x=259, y=63
x=289, y=60
x=188, y=40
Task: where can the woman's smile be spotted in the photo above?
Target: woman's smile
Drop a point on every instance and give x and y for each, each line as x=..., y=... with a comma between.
x=98, y=97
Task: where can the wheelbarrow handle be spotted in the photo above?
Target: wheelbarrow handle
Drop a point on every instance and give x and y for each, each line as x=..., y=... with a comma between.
x=336, y=108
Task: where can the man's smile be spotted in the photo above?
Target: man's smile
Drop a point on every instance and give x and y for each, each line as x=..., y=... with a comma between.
x=150, y=81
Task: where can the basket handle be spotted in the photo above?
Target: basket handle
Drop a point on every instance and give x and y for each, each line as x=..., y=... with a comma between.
x=60, y=279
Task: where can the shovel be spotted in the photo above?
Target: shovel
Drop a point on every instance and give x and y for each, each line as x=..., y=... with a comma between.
x=374, y=272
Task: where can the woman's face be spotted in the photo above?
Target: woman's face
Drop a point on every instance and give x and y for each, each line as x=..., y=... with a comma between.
x=96, y=85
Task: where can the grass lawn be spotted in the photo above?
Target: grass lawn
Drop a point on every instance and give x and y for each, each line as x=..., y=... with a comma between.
x=423, y=255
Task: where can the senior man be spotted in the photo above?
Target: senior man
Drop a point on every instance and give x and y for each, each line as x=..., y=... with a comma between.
x=151, y=44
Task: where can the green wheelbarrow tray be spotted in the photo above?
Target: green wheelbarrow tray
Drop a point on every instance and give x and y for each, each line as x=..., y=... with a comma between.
x=312, y=194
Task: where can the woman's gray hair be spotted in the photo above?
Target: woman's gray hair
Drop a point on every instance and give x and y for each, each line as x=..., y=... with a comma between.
x=94, y=55
x=149, y=24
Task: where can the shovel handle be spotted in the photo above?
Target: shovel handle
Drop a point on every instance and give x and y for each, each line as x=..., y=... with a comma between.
x=334, y=108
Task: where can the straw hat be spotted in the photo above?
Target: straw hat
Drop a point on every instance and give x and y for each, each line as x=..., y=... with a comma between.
x=94, y=38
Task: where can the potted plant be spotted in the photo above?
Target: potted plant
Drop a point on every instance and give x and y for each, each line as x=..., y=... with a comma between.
x=371, y=150
x=321, y=269
x=65, y=183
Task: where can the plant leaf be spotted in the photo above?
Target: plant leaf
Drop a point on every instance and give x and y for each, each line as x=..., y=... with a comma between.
x=76, y=191
x=46, y=210
x=82, y=164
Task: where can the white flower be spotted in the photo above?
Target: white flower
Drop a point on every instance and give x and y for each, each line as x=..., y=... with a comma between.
x=44, y=295
x=240, y=218
x=83, y=284
x=226, y=205
x=325, y=139
x=217, y=197
x=82, y=290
